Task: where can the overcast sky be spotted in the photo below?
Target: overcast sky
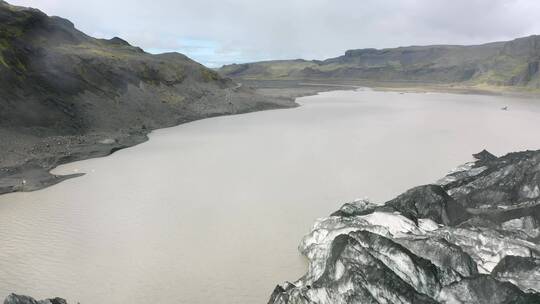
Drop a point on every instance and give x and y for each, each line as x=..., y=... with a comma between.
x=216, y=32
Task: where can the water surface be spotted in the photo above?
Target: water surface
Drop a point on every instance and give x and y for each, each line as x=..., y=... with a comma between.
x=212, y=211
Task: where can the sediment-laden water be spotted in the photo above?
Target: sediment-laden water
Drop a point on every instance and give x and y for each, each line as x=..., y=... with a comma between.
x=212, y=211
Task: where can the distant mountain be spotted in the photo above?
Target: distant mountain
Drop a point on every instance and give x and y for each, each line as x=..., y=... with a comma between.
x=513, y=63
x=54, y=80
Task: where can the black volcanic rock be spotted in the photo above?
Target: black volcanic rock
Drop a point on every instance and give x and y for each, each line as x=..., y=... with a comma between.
x=18, y=299
x=430, y=244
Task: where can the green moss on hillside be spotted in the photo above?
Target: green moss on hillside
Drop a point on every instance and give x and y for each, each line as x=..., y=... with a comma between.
x=501, y=64
x=209, y=75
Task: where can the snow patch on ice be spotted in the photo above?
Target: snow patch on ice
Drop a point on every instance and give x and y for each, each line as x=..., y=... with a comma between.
x=530, y=193
x=395, y=223
x=340, y=270
x=427, y=225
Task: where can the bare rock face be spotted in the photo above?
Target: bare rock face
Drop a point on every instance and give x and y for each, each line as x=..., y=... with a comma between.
x=470, y=238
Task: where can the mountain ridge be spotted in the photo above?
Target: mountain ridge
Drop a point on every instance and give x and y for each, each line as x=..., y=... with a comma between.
x=512, y=63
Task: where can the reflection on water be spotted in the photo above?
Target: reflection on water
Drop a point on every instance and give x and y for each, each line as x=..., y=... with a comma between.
x=212, y=211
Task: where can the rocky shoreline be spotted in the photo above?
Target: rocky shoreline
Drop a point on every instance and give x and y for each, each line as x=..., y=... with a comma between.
x=67, y=96
x=27, y=161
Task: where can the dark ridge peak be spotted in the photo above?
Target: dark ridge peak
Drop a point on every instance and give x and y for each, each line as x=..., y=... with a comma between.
x=63, y=22
x=7, y=7
x=530, y=37
x=359, y=52
x=22, y=25
x=173, y=55
x=534, y=39
x=279, y=61
x=484, y=155
x=119, y=41
x=4, y=3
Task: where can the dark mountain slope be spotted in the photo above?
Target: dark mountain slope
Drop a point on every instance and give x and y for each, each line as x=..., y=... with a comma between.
x=66, y=96
x=513, y=63
x=54, y=77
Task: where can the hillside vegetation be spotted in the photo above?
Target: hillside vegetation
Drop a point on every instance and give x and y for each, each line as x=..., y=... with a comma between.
x=513, y=63
x=66, y=96
x=55, y=80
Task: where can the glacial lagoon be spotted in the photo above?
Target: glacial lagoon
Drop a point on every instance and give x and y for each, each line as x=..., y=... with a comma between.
x=212, y=211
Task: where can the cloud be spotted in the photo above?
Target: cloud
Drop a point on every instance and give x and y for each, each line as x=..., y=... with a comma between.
x=225, y=31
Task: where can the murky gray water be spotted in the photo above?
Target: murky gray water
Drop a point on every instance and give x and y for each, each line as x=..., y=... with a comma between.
x=212, y=211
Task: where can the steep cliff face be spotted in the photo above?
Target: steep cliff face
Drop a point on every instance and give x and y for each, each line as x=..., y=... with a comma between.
x=470, y=238
x=513, y=63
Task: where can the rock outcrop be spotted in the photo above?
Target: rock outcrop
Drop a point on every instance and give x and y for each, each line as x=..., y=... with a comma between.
x=470, y=238
x=18, y=299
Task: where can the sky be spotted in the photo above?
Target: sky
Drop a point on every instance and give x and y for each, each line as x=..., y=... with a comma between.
x=217, y=32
